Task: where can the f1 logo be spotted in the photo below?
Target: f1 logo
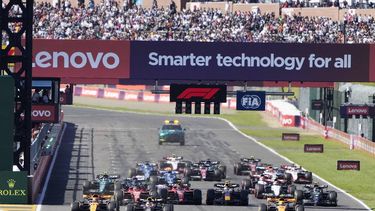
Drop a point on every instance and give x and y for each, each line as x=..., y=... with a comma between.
x=204, y=93
x=198, y=93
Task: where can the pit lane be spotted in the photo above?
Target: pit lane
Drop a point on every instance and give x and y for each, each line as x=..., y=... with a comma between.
x=97, y=140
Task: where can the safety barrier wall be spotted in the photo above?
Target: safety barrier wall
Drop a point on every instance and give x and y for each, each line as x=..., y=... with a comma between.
x=44, y=161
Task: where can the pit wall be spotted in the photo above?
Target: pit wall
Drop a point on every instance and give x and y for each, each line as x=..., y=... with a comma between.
x=285, y=118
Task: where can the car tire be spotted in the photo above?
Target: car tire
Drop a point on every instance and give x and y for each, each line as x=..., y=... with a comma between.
x=182, y=143
x=292, y=189
x=119, y=196
x=244, y=195
x=289, y=178
x=223, y=170
x=75, y=206
x=129, y=207
x=300, y=207
x=197, y=196
x=210, y=197
x=262, y=207
x=154, y=180
x=168, y=207
x=163, y=194
x=185, y=180
x=160, y=143
x=246, y=184
x=111, y=206
x=309, y=176
x=332, y=196
x=117, y=186
x=259, y=190
x=132, y=172
x=298, y=195
x=235, y=169
x=217, y=175
x=86, y=185
x=187, y=172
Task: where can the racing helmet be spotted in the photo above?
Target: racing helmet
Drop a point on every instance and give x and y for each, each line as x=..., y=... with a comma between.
x=226, y=183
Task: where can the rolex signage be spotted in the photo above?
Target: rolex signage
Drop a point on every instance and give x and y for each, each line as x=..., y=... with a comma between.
x=13, y=187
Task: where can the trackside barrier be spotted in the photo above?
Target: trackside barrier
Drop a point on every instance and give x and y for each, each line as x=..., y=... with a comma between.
x=133, y=95
x=352, y=141
x=44, y=162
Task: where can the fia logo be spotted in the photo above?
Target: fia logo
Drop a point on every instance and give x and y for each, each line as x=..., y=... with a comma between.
x=251, y=101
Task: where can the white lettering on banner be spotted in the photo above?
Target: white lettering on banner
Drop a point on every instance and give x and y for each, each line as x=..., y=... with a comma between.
x=110, y=94
x=41, y=113
x=358, y=111
x=272, y=60
x=77, y=60
x=89, y=92
x=287, y=121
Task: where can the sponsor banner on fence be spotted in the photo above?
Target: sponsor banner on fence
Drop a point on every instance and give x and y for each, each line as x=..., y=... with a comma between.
x=13, y=187
x=319, y=148
x=356, y=110
x=290, y=137
x=76, y=59
x=44, y=113
x=249, y=61
x=348, y=165
x=251, y=100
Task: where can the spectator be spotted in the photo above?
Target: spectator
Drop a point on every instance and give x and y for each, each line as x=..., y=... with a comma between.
x=45, y=97
x=36, y=96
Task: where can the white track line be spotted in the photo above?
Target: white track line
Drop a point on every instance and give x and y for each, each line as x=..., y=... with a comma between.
x=285, y=158
x=42, y=195
x=247, y=136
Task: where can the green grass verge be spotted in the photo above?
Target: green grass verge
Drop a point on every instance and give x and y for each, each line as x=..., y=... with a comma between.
x=358, y=183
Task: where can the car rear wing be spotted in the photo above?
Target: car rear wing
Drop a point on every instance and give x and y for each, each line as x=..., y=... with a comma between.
x=222, y=185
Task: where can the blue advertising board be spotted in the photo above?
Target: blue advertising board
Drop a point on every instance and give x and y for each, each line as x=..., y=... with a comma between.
x=251, y=100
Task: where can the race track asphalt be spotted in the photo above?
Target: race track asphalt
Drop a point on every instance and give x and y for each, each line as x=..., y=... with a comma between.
x=96, y=141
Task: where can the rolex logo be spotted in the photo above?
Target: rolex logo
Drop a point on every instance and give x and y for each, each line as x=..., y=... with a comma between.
x=11, y=183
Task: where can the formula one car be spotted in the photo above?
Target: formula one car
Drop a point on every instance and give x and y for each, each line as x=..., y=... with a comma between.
x=104, y=184
x=281, y=204
x=318, y=196
x=145, y=169
x=175, y=163
x=168, y=178
x=227, y=194
x=207, y=170
x=134, y=189
x=183, y=194
x=149, y=204
x=245, y=166
x=265, y=189
x=95, y=203
x=171, y=131
x=298, y=174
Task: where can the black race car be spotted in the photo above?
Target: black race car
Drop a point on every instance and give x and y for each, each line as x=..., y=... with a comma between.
x=245, y=166
x=317, y=195
x=227, y=194
x=95, y=202
x=149, y=204
x=207, y=170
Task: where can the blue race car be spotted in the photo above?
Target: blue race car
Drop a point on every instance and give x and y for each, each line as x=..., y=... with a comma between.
x=146, y=169
x=172, y=132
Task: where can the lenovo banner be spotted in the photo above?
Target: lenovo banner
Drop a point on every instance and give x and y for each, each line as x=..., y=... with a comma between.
x=348, y=165
x=249, y=61
x=198, y=93
x=45, y=113
x=347, y=111
x=317, y=148
x=290, y=137
x=81, y=59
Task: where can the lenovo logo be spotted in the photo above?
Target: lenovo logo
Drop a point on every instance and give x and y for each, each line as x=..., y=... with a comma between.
x=44, y=113
x=78, y=60
x=357, y=110
x=41, y=113
x=319, y=148
x=348, y=165
x=204, y=93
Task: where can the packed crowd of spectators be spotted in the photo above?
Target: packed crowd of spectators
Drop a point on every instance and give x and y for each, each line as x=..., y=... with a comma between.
x=111, y=20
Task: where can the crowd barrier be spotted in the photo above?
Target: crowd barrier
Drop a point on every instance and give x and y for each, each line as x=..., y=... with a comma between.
x=44, y=160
